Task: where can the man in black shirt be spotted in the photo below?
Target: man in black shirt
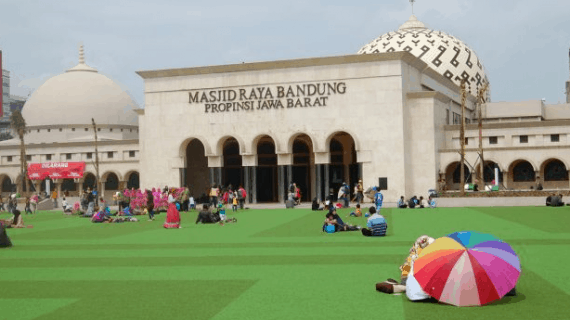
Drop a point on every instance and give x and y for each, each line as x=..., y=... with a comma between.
x=205, y=216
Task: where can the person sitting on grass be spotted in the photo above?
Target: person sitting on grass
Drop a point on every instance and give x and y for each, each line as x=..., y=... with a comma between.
x=333, y=219
x=206, y=216
x=4, y=239
x=402, y=203
x=100, y=217
x=316, y=205
x=431, y=202
x=17, y=221
x=377, y=225
x=420, y=203
x=549, y=200
x=357, y=212
x=67, y=208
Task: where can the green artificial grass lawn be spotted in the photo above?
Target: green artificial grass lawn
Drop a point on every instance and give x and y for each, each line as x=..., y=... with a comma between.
x=272, y=264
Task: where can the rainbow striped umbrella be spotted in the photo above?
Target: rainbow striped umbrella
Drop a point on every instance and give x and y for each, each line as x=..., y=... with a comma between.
x=467, y=269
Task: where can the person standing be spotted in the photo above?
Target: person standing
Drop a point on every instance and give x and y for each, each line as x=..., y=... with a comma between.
x=241, y=196
x=235, y=202
x=172, y=214
x=28, y=209
x=359, y=192
x=34, y=202
x=214, y=195
x=185, y=199
x=90, y=203
x=378, y=199
x=54, y=198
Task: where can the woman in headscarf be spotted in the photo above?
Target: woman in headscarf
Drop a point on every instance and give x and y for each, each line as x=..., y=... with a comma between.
x=172, y=214
x=4, y=240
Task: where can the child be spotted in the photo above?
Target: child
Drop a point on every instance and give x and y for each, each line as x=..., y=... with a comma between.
x=222, y=212
x=431, y=202
x=149, y=212
x=235, y=203
x=28, y=209
x=357, y=213
x=192, y=203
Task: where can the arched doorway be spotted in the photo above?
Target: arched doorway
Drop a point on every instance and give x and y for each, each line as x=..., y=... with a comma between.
x=133, y=180
x=232, y=172
x=521, y=175
x=197, y=177
x=343, y=165
x=69, y=186
x=555, y=174
x=88, y=181
x=489, y=172
x=303, y=161
x=266, y=175
x=453, y=175
x=111, y=182
x=5, y=184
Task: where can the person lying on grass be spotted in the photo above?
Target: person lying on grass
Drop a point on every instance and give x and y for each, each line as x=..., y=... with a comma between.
x=333, y=219
x=408, y=282
x=377, y=225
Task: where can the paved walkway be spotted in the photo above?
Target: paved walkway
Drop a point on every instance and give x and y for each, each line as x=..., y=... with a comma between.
x=441, y=202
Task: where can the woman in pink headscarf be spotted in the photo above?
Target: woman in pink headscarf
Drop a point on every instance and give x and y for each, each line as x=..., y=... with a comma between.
x=172, y=214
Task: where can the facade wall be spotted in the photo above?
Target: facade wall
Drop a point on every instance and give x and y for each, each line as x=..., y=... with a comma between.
x=372, y=100
x=396, y=136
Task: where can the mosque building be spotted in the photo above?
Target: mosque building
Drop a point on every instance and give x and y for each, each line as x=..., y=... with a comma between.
x=388, y=115
x=59, y=130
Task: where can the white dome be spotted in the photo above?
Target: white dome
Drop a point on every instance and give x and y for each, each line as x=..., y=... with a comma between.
x=78, y=95
x=442, y=52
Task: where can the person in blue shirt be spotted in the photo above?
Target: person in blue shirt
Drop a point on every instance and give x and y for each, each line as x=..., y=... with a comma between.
x=378, y=199
x=377, y=225
x=402, y=203
x=431, y=202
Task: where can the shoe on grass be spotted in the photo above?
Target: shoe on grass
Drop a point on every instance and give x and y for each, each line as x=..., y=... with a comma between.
x=385, y=287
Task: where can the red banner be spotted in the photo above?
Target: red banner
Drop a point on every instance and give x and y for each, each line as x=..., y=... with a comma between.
x=56, y=170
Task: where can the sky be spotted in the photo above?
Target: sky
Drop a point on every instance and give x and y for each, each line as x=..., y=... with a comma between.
x=524, y=45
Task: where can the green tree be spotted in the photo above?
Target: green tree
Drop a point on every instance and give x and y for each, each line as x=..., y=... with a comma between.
x=18, y=124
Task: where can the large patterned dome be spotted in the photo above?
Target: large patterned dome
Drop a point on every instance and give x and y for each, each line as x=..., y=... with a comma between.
x=442, y=52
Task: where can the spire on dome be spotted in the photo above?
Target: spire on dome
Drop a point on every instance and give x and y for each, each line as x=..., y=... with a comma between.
x=413, y=23
x=412, y=2
x=81, y=66
x=81, y=54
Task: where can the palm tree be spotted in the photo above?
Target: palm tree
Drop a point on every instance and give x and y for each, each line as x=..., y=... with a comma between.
x=18, y=124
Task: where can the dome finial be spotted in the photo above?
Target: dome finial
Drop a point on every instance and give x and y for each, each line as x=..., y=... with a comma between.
x=412, y=2
x=82, y=66
x=81, y=54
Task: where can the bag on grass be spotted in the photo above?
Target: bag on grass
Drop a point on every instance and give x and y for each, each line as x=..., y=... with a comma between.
x=330, y=228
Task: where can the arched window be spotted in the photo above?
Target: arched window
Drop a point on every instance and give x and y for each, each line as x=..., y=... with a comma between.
x=112, y=182
x=523, y=172
x=555, y=170
x=457, y=173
